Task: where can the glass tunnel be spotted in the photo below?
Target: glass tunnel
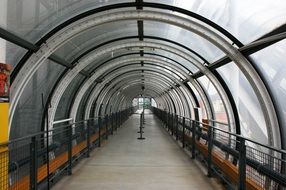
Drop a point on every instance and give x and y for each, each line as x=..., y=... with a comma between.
x=217, y=63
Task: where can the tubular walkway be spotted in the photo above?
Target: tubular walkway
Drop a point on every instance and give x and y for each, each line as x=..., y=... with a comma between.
x=127, y=163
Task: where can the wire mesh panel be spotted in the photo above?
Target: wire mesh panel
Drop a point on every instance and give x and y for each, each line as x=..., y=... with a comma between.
x=241, y=162
x=19, y=163
x=35, y=161
x=4, y=155
x=270, y=159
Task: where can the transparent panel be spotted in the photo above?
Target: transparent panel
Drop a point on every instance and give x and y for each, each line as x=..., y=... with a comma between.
x=10, y=53
x=176, y=103
x=189, y=103
x=271, y=62
x=217, y=104
x=31, y=19
x=83, y=102
x=247, y=20
x=185, y=37
x=201, y=103
x=181, y=104
x=252, y=121
x=68, y=97
x=29, y=111
x=170, y=57
x=96, y=36
x=118, y=55
x=110, y=55
x=106, y=57
x=173, y=82
x=173, y=58
x=153, y=103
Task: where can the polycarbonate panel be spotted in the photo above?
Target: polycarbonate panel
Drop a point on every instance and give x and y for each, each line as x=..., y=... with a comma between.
x=216, y=101
x=252, y=121
x=272, y=64
x=174, y=97
x=121, y=69
x=174, y=57
x=166, y=75
x=83, y=102
x=247, y=20
x=109, y=55
x=106, y=57
x=189, y=39
x=96, y=36
x=29, y=111
x=62, y=111
x=153, y=103
x=134, y=52
x=189, y=102
x=10, y=53
x=31, y=19
x=201, y=103
x=183, y=62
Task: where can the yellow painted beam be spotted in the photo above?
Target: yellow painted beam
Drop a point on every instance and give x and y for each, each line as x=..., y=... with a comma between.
x=4, y=154
x=4, y=117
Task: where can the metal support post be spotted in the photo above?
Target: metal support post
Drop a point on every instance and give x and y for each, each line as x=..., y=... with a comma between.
x=99, y=130
x=119, y=114
x=106, y=126
x=172, y=124
x=193, y=124
x=168, y=121
x=115, y=121
x=112, y=122
x=184, y=126
x=242, y=164
x=70, y=150
x=210, y=147
x=143, y=116
x=33, y=164
x=177, y=126
x=87, y=138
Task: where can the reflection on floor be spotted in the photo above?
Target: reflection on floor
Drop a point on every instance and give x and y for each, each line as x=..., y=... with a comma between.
x=126, y=163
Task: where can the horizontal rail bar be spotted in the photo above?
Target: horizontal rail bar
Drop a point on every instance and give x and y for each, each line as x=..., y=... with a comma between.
x=62, y=121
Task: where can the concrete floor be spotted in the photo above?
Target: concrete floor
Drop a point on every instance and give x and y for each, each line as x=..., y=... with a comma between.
x=125, y=163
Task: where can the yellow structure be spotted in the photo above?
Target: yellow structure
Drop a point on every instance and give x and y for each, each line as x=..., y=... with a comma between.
x=4, y=116
x=4, y=113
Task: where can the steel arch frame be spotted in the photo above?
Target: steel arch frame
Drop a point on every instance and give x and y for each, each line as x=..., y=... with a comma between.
x=130, y=79
x=123, y=63
x=156, y=45
x=139, y=69
x=250, y=73
x=96, y=92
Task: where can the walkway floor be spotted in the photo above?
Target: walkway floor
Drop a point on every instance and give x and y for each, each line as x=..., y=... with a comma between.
x=125, y=163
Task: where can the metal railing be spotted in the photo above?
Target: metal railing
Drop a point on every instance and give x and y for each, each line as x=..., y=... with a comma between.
x=38, y=160
x=241, y=162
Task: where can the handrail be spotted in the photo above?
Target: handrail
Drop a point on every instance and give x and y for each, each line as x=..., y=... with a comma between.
x=245, y=138
x=219, y=122
x=51, y=130
x=259, y=166
x=67, y=145
x=236, y=135
x=62, y=121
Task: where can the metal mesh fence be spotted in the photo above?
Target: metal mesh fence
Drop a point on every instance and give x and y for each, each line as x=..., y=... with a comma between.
x=34, y=161
x=240, y=160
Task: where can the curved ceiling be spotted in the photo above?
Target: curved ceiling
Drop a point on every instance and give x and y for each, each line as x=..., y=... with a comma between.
x=112, y=52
